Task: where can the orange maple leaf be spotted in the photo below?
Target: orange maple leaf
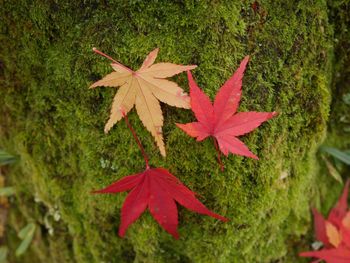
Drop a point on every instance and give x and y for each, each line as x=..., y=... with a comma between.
x=144, y=88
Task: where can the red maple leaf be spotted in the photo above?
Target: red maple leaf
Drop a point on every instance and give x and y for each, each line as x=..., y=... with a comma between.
x=158, y=190
x=333, y=232
x=220, y=119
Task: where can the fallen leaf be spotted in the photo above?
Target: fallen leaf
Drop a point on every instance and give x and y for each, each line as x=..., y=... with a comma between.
x=220, y=119
x=159, y=191
x=144, y=88
x=334, y=232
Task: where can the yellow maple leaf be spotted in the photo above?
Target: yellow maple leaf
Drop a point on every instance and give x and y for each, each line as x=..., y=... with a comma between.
x=333, y=234
x=144, y=88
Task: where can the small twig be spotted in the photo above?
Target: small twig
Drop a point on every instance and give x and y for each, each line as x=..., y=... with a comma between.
x=137, y=140
x=218, y=151
x=111, y=59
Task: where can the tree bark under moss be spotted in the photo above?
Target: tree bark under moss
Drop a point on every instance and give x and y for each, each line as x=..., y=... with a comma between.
x=55, y=124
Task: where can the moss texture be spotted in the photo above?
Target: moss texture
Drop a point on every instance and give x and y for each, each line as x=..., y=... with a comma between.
x=55, y=124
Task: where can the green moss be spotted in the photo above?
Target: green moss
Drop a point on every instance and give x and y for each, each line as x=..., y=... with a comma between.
x=339, y=121
x=51, y=119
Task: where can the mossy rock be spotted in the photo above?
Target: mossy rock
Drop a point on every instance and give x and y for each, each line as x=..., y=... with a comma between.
x=55, y=124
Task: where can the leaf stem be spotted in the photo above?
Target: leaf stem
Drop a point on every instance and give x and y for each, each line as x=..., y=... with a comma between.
x=218, y=151
x=111, y=59
x=137, y=140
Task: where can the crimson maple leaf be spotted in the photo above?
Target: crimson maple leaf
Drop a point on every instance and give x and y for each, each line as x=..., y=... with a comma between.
x=334, y=232
x=157, y=189
x=220, y=119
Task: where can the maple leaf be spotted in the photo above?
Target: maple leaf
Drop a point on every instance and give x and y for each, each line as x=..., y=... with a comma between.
x=220, y=119
x=333, y=232
x=144, y=88
x=158, y=190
